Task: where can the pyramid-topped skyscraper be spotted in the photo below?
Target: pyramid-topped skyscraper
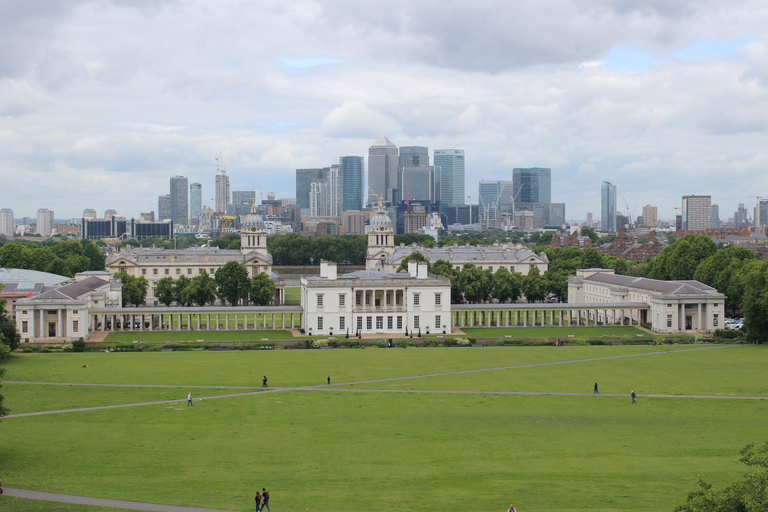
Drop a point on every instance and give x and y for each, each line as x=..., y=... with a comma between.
x=382, y=172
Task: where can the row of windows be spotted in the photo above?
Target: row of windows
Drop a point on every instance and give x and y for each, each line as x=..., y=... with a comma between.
x=369, y=322
x=388, y=299
x=25, y=326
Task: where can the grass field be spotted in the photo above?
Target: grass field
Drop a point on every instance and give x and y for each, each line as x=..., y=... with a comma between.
x=209, y=336
x=554, y=332
x=347, y=449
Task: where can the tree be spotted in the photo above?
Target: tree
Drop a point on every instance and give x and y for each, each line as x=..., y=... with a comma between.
x=96, y=257
x=755, y=301
x=411, y=238
x=262, y=289
x=680, y=260
x=592, y=259
x=534, y=286
x=232, y=282
x=506, y=285
x=13, y=255
x=201, y=290
x=165, y=291
x=556, y=283
x=445, y=269
x=746, y=495
x=475, y=283
x=722, y=271
x=9, y=334
x=179, y=286
x=134, y=288
x=414, y=256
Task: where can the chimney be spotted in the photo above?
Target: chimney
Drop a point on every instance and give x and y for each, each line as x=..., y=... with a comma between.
x=412, y=266
x=328, y=270
x=422, y=270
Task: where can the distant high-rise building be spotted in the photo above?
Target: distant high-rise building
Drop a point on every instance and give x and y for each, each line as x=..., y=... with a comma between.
x=242, y=200
x=44, y=221
x=590, y=222
x=716, y=216
x=304, y=180
x=6, y=222
x=382, y=171
x=762, y=213
x=413, y=156
x=147, y=216
x=195, y=201
x=534, y=185
x=496, y=197
x=555, y=215
x=608, y=207
x=108, y=214
x=417, y=183
x=164, y=207
x=352, y=177
x=696, y=212
x=449, y=176
x=650, y=216
x=740, y=216
x=222, y=192
x=90, y=213
x=324, y=194
x=180, y=200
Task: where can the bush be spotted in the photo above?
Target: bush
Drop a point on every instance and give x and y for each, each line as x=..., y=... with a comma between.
x=728, y=334
x=78, y=345
x=319, y=343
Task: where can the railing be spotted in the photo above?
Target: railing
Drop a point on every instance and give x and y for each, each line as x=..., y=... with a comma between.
x=379, y=309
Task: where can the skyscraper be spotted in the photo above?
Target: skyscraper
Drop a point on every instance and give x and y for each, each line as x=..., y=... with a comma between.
x=241, y=202
x=382, y=171
x=164, y=207
x=90, y=213
x=195, y=201
x=534, y=185
x=304, y=180
x=352, y=177
x=696, y=212
x=608, y=207
x=222, y=192
x=716, y=216
x=650, y=216
x=449, y=176
x=413, y=156
x=180, y=200
x=417, y=183
x=6, y=222
x=44, y=221
x=496, y=197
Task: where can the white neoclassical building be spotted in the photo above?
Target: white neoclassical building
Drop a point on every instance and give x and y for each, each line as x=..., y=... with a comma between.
x=674, y=307
x=373, y=302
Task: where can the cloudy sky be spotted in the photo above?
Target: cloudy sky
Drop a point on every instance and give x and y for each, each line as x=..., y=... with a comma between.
x=101, y=101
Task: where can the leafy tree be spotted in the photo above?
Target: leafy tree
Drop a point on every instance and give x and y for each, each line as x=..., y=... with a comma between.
x=3, y=410
x=96, y=257
x=746, y=495
x=410, y=238
x=445, y=269
x=179, y=286
x=414, y=256
x=556, y=282
x=13, y=255
x=201, y=290
x=590, y=232
x=722, y=271
x=9, y=335
x=165, y=291
x=262, y=289
x=75, y=264
x=755, y=301
x=232, y=282
x=134, y=288
x=475, y=283
x=592, y=259
x=534, y=286
x=227, y=242
x=66, y=249
x=506, y=285
x=680, y=260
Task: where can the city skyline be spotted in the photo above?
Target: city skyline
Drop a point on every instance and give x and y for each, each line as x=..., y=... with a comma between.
x=662, y=100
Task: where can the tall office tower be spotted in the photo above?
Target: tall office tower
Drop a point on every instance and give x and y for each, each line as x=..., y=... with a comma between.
x=222, y=192
x=417, y=183
x=496, y=197
x=449, y=176
x=6, y=222
x=650, y=216
x=195, y=201
x=716, y=216
x=382, y=172
x=242, y=200
x=532, y=185
x=608, y=207
x=108, y=214
x=90, y=213
x=590, y=222
x=180, y=200
x=164, y=207
x=413, y=156
x=304, y=180
x=325, y=198
x=555, y=215
x=352, y=178
x=44, y=221
x=696, y=212
x=762, y=213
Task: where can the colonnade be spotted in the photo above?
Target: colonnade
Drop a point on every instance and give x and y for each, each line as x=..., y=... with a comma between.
x=529, y=315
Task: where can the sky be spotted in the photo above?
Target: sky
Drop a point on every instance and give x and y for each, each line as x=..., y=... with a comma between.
x=102, y=101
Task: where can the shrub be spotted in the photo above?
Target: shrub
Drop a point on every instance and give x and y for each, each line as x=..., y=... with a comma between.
x=319, y=343
x=78, y=345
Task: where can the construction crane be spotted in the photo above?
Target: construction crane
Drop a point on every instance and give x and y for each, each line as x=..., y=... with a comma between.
x=514, y=198
x=470, y=206
x=757, y=211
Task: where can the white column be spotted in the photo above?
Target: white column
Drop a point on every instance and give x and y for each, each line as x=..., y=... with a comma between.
x=68, y=330
x=42, y=323
x=31, y=322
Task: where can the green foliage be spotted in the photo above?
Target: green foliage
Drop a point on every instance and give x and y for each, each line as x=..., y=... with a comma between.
x=165, y=291
x=65, y=257
x=201, y=290
x=296, y=249
x=747, y=495
x=475, y=283
x=134, y=289
x=534, y=286
x=506, y=285
x=78, y=345
x=262, y=289
x=755, y=301
x=680, y=260
x=414, y=256
x=232, y=282
x=724, y=271
x=445, y=269
x=9, y=334
x=231, y=241
x=415, y=238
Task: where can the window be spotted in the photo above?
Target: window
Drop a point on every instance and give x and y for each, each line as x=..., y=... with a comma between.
x=319, y=323
x=75, y=325
x=167, y=271
x=74, y=311
x=342, y=323
x=389, y=299
x=143, y=271
x=669, y=305
x=367, y=298
x=399, y=322
x=24, y=326
x=389, y=323
x=199, y=271
x=178, y=271
x=52, y=311
x=397, y=299
x=154, y=271
x=511, y=268
x=359, y=323
x=369, y=322
x=189, y=271
x=416, y=322
x=213, y=271
x=438, y=322
x=320, y=300
x=379, y=322
x=358, y=299
x=438, y=299
x=669, y=320
x=23, y=311
x=715, y=320
x=342, y=300
x=416, y=299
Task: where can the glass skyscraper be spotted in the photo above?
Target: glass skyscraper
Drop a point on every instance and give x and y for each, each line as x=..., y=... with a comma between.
x=449, y=176
x=352, y=178
x=195, y=200
x=180, y=200
x=608, y=207
x=536, y=183
x=383, y=161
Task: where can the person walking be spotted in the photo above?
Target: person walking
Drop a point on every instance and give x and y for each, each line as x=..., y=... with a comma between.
x=264, y=382
x=596, y=392
x=633, y=395
x=257, y=499
x=265, y=499
x=189, y=399
x=512, y=509
x=329, y=379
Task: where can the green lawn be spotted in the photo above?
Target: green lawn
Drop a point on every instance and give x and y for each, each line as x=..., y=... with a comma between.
x=554, y=332
x=334, y=449
x=209, y=336
x=293, y=295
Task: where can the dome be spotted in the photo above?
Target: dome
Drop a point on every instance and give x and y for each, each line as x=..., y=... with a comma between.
x=380, y=219
x=253, y=219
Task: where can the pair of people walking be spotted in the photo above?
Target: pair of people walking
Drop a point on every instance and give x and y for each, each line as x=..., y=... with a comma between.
x=262, y=500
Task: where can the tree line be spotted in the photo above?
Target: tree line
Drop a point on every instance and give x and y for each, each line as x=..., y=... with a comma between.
x=65, y=258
